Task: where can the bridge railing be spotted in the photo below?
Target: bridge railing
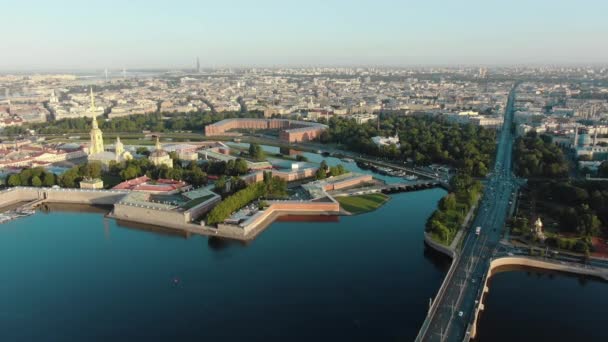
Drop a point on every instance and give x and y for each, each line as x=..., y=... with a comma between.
x=429, y=317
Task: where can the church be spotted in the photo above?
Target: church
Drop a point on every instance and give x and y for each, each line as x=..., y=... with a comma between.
x=97, y=152
x=159, y=156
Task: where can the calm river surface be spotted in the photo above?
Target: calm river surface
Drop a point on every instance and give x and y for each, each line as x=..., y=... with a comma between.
x=76, y=276
x=537, y=305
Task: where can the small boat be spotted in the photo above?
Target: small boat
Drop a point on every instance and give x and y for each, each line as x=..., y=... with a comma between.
x=411, y=177
x=348, y=160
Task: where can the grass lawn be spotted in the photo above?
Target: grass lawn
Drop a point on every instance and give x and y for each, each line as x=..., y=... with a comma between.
x=362, y=203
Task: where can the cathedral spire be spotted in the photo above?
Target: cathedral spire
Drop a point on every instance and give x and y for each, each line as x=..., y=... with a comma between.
x=94, y=123
x=157, y=146
x=92, y=100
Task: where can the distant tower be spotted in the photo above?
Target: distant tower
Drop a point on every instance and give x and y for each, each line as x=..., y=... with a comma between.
x=124, y=73
x=106, y=73
x=595, y=136
x=198, y=66
x=575, y=144
x=53, y=98
x=96, y=138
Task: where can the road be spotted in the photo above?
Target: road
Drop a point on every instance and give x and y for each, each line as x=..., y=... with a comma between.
x=454, y=308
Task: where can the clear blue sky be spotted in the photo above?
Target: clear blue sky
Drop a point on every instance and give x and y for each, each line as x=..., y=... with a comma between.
x=170, y=34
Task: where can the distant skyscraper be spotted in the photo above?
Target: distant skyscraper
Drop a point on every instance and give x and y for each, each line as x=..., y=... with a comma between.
x=124, y=73
x=198, y=65
x=106, y=73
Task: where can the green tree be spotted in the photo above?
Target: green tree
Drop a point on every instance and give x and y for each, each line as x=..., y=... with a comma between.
x=13, y=180
x=129, y=173
x=49, y=179
x=143, y=151
x=36, y=181
x=256, y=152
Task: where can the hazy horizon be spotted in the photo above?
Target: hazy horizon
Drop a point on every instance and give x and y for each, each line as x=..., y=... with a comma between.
x=71, y=35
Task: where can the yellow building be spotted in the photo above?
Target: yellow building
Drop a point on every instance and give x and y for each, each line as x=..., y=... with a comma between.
x=97, y=151
x=159, y=156
x=96, y=139
x=94, y=183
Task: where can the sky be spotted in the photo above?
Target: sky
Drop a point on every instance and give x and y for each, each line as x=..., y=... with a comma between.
x=92, y=34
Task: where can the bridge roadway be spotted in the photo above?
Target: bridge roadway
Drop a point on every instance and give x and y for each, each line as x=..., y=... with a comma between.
x=390, y=188
x=454, y=306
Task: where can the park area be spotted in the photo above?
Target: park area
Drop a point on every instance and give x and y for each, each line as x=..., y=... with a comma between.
x=362, y=203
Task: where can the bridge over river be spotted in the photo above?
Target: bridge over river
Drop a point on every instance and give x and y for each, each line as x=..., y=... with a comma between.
x=455, y=306
x=391, y=188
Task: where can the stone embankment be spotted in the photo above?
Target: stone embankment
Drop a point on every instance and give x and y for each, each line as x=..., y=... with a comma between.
x=51, y=195
x=532, y=262
x=174, y=219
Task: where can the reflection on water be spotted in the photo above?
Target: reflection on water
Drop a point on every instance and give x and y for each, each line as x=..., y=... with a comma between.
x=74, y=208
x=439, y=260
x=308, y=218
x=363, y=278
x=219, y=244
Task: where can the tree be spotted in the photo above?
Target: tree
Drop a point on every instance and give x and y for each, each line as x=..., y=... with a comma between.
x=448, y=202
x=49, y=179
x=36, y=181
x=25, y=175
x=337, y=170
x=321, y=171
x=70, y=178
x=129, y=173
x=240, y=167
x=256, y=152
x=91, y=170
x=14, y=180
x=143, y=151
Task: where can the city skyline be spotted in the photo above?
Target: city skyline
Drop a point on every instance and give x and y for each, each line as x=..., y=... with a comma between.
x=66, y=35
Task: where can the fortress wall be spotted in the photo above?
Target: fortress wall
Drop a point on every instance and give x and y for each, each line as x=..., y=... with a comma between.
x=104, y=197
x=201, y=209
x=15, y=195
x=288, y=207
x=77, y=196
x=231, y=230
x=154, y=217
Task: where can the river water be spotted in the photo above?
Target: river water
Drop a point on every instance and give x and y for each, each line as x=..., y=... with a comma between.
x=77, y=276
x=538, y=305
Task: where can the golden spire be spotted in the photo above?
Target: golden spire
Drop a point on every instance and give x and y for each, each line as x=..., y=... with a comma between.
x=92, y=101
x=95, y=125
x=158, y=147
